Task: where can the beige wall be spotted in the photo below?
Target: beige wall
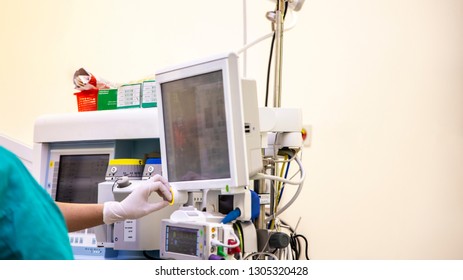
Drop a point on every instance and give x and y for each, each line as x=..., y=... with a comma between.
x=379, y=81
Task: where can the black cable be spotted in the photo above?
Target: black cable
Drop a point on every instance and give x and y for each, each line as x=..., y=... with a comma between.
x=294, y=247
x=268, y=69
x=297, y=236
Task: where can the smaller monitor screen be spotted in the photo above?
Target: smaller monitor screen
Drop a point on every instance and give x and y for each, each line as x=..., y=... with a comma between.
x=79, y=176
x=196, y=128
x=182, y=240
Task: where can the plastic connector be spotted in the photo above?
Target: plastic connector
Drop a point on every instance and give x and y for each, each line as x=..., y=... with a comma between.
x=255, y=205
x=214, y=257
x=278, y=240
x=234, y=250
x=221, y=252
x=233, y=215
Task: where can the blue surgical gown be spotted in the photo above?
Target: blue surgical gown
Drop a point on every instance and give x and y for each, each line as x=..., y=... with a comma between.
x=31, y=224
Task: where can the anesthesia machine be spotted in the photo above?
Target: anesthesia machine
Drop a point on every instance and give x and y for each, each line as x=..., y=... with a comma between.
x=208, y=137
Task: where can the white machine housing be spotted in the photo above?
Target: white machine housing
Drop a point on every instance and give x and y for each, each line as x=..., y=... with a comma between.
x=128, y=133
x=190, y=234
x=213, y=87
x=133, y=234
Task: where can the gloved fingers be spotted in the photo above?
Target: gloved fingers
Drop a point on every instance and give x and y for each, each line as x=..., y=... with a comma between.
x=161, y=189
x=159, y=178
x=151, y=207
x=165, y=194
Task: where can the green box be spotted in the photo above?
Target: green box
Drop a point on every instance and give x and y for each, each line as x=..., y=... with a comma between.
x=107, y=99
x=148, y=94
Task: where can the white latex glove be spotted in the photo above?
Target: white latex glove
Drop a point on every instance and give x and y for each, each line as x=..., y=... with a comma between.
x=136, y=204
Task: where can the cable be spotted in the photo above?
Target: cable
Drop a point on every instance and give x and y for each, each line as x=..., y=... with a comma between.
x=272, y=45
x=280, y=183
x=268, y=69
x=231, y=216
x=278, y=190
x=298, y=191
x=283, y=185
x=294, y=247
x=294, y=241
x=279, y=179
x=261, y=253
x=237, y=226
x=218, y=243
x=291, y=26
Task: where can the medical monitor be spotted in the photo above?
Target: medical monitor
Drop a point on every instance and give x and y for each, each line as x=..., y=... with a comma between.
x=74, y=174
x=202, y=132
x=79, y=176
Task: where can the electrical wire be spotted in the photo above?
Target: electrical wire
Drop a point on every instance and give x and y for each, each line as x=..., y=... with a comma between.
x=296, y=195
x=266, y=36
x=237, y=226
x=283, y=184
x=267, y=254
x=279, y=179
x=279, y=192
x=294, y=239
x=279, y=189
x=218, y=243
x=280, y=183
x=272, y=44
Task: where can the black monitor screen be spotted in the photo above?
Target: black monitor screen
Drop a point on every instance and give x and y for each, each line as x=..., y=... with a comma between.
x=196, y=128
x=182, y=240
x=79, y=176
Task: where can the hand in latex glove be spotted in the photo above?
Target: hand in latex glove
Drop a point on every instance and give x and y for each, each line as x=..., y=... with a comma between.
x=136, y=204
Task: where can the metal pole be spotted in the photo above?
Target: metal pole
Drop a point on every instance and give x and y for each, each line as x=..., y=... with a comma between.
x=261, y=188
x=279, y=25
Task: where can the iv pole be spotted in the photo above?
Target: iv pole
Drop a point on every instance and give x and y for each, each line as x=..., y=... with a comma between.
x=278, y=28
x=277, y=18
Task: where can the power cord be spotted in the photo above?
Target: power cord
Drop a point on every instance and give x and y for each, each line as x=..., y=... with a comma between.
x=296, y=246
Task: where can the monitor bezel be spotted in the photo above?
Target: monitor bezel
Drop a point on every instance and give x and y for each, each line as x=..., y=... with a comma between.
x=53, y=169
x=228, y=64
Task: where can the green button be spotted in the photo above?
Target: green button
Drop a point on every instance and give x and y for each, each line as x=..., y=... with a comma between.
x=220, y=251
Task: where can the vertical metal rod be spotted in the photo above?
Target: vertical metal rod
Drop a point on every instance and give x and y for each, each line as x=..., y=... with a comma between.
x=279, y=25
x=260, y=221
x=261, y=188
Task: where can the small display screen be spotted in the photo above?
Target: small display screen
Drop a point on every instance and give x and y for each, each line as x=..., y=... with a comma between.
x=79, y=176
x=196, y=128
x=182, y=240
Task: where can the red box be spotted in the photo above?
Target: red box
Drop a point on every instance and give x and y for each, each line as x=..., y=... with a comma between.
x=87, y=100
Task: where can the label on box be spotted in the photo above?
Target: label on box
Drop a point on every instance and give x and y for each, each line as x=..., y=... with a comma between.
x=149, y=98
x=128, y=96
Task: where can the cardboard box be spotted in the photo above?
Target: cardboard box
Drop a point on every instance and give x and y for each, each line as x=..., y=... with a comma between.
x=149, y=98
x=107, y=99
x=129, y=96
